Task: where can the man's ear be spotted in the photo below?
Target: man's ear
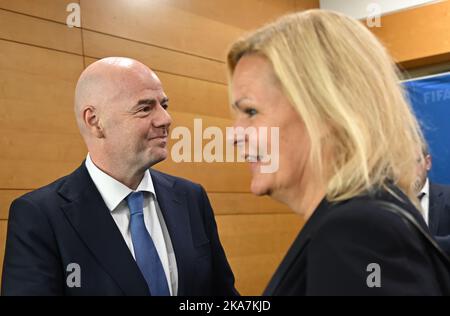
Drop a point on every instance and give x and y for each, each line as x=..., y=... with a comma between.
x=428, y=162
x=92, y=121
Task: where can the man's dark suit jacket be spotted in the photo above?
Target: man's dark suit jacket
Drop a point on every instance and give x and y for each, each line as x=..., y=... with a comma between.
x=68, y=222
x=331, y=254
x=439, y=215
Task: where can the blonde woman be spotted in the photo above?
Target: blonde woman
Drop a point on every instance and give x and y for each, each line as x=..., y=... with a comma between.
x=347, y=141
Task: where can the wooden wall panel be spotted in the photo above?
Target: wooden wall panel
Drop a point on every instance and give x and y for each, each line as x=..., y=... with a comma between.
x=30, y=30
x=228, y=203
x=301, y=5
x=246, y=15
x=255, y=245
x=49, y=9
x=100, y=45
x=214, y=177
x=36, y=159
x=419, y=36
x=158, y=23
x=196, y=96
x=37, y=93
x=192, y=95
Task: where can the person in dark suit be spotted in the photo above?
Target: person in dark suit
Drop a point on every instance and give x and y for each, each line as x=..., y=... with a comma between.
x=439, y=221
x=435, y=201
x=346, y=156
x=114, y=226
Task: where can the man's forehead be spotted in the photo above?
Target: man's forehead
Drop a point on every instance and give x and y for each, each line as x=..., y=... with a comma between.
x=138, y=79
x=144, y=79
x=148, y=88
x=154, y=77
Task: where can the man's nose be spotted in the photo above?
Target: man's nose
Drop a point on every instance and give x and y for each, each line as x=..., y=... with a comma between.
x=162, y=118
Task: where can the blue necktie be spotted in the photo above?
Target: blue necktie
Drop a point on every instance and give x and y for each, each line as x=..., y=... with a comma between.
x=144, y=249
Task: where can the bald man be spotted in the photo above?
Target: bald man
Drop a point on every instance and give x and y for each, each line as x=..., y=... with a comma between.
x=115, y=226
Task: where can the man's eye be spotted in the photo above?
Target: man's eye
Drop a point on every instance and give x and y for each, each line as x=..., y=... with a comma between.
x=146, y=109
x=165, y=106
x=250, y=111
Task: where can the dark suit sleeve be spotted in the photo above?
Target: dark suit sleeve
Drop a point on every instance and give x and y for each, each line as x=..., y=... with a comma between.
x=350, y=240
x=223, y=283
x=444, y=242
x=443, y=233
x=31, y=265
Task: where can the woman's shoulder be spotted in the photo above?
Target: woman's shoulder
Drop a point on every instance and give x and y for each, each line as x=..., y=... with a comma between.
x=375, y=205
x=368, y=216
x=363, y=209
x=352, y=236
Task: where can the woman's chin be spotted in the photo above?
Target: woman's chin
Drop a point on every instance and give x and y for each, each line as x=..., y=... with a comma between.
x=258, y=187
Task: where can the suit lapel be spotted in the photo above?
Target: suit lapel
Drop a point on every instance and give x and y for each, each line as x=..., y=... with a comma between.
x=174, y=208
x=90, y=217
x=436, y=201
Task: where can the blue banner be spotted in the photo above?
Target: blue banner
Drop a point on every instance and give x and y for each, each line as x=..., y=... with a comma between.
x=430, y=99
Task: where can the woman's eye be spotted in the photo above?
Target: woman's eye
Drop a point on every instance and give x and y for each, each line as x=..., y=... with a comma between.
x=250, y=111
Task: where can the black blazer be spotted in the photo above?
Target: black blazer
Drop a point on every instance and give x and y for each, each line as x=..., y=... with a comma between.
x=68, y=222
x=439, y=215
x=331, y=254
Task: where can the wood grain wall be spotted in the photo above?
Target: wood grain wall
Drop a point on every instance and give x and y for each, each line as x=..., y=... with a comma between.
x=185, y=42
x=417, y=37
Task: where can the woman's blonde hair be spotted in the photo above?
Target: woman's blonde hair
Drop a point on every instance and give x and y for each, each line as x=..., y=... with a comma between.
x=340, y=79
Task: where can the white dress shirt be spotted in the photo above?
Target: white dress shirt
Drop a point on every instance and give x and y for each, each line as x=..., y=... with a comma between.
x=114, y=193
x=425, y=201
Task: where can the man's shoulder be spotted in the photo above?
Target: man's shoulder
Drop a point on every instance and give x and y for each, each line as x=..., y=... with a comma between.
x=49, y=194
x=438, y=188
x=43, y=194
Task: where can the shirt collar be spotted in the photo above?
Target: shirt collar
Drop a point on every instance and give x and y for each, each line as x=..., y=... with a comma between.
x=112, y=191
x=426, y=188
